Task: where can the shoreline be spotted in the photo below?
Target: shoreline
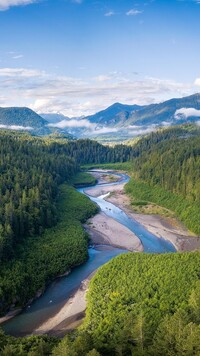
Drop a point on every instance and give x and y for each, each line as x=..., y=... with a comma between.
x=161, y=226
x=70, y=315
x=172, y=230
x=107, y=231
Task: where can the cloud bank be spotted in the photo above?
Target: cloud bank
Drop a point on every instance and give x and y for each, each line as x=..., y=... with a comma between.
x=74, y=123
x=16, y=127
x=184, y=113
x=74, y=97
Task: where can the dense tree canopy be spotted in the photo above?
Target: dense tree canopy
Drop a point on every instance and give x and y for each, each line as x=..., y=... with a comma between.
x=166, y=171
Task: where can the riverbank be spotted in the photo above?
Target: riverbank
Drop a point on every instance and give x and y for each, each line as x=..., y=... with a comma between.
x=168, y=228
x=107, y=231
x=71, y=314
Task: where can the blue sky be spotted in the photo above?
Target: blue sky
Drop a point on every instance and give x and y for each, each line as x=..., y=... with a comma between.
x=77, y=57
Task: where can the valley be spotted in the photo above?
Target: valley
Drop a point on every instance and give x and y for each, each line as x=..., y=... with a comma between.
x=118, y=227
x=99, y=178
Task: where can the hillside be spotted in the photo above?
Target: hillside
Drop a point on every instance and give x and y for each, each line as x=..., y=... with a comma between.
x=25, y=119
x=114, y=114
x=166, y=171
x=164, y=112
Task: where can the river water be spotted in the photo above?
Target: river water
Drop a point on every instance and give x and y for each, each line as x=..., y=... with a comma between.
x=61, y=289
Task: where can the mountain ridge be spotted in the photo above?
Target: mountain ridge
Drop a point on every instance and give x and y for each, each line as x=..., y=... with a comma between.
x=117, y=122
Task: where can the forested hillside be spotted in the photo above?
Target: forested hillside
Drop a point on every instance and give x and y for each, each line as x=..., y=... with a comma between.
x=141, y=304
x=166, y=170
x=29, y=180
x=90, y=151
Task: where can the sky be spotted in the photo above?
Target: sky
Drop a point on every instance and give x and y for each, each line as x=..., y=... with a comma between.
x=77, y=57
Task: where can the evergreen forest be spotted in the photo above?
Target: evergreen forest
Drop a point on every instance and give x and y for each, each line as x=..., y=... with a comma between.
x=137, y=304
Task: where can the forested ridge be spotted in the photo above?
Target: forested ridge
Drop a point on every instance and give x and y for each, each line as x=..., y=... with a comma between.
x=166, y=171
x=143, y=304
x=86, y=151
x=29, y=180
x=171, y=160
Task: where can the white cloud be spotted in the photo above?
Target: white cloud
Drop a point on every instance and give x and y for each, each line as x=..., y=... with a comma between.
x=75, y=97
x=91, y=129
x=197, y=82
x=16, y=127
x=133, y=12
x=73, y=123
x=18, y=56
x=6, y=4
x=105, y=130
x=109, y=13
x=102, y=78
x=141, y=130
x=184, y=113
x=20, y=72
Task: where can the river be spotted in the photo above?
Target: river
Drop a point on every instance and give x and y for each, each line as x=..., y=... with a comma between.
x=61, y=289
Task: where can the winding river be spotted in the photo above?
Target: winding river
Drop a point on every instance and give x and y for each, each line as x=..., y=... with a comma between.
x=61, y=289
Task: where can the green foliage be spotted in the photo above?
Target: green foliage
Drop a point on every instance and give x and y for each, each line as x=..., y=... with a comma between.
x=123, y=166
x=29, y=180
x=129, y=297
x=186, y=211
x=139, y=203
x=40, y=259
x=31, y=346
x=82, y=179
x=75, y=345
x=91, y=152
x=166, y=171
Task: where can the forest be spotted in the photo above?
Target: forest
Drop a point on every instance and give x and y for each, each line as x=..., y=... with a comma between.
x=166, y=171
x=138, y=304
x=134, y=294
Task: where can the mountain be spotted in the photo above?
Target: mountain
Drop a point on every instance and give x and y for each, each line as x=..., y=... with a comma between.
x=25, y=119
x=116, y=123
x=119, y=115
x=114, y=114
x=171, y=111
x=125, y=121
x=54, y=118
